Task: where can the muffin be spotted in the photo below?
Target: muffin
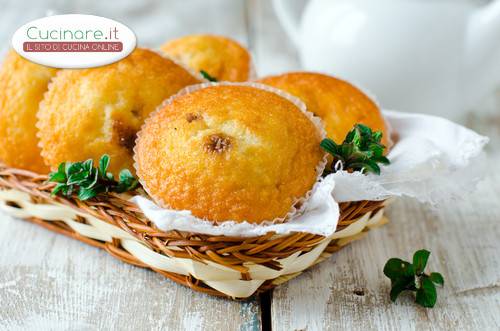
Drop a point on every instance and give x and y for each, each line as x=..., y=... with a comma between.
x=90, y=112
x=339, y=104
x=22, y=86
x=222, y=58
x=229, y=152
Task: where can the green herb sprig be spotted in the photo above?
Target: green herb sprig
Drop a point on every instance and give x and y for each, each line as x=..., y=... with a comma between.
x=87, y=181
x=360, y=151
x=406, y=276
x=207, y=76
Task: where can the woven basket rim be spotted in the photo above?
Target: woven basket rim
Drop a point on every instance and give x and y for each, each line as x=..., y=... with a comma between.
x=235, y=253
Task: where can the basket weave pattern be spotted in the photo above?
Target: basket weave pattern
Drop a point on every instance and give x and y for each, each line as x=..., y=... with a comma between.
x=217, y=265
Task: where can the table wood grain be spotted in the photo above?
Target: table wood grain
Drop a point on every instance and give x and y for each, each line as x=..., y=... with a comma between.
x=50, y=282
x=350, y=292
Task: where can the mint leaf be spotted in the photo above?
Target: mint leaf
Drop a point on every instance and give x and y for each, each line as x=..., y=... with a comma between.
x=426, y=294
x=86, y=181
x=86, y=193
x=400, y=285
x=360, y=151
x=437, y=278
x=396, y=268
x=104, y=164
x=58, y=188
x=207, y=76
x=420, y=260
x=405, y=276
x=87, y=165
x=127, y=181
x=57, y=177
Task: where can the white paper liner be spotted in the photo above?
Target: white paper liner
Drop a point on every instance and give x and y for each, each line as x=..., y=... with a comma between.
x=430, y=162
x=299, y=205
x=319, y=216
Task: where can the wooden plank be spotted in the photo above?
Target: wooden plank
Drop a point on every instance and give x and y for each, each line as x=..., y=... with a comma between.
x=48, y=281
x=349, y=291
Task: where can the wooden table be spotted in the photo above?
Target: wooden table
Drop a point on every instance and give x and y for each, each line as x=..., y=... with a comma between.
x=50, y=282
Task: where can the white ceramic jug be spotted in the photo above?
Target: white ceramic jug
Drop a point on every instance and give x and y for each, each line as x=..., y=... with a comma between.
x=432, y=56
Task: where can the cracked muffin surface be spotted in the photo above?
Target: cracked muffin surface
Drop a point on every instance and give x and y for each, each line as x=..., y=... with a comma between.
x=90, y=112
x=339, y=104
x=222, y=58
x=229, y=152
x=22, y=86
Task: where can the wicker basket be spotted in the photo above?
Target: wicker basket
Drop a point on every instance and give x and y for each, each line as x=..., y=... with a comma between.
x=217, y=265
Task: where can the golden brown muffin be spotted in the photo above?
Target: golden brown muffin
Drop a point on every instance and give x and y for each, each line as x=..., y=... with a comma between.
x=229, y=152
x=22, y=85
x=339, y=104
x=89, y=112
x=221, y=57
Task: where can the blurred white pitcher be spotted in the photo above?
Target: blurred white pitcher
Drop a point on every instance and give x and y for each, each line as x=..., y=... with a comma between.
x=432, y=56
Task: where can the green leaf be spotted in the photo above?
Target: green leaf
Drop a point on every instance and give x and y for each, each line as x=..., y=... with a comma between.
x=86, y=180
x=396, y=268
x=360, y=151
x=207, y=76
x=125, y=176
x=87, y=165
x=73, y=168
x=127, y=181
x=420, y=260
x=426, y=294
x=91, y=179
x=62, y=168
x=371, y=166
x=67, y=165
x=86, y=193
x=437, y=278
x=377, y=136
x=376, y=149
x=58, y=188
x=381, y=159
x=77, y=178
x=405, y=276
x=400, y=285
x=104, y=164
x=346, y=150
x=328, y=145
x=356, y=137
x=57, y=177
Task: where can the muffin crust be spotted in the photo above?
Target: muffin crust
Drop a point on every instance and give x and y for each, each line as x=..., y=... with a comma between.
x=89, y=112
x=22, y=86
x=339, y=104
x=221, y=57
x=247, y=155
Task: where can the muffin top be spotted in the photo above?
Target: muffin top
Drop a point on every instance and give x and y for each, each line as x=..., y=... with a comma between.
x=90, y=112
x=221, y=57
x=229, y=152
x=339, y=104
x=22, y=86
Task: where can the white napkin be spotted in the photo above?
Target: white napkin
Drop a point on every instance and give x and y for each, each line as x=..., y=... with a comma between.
x=320, y=216
x=429, y=162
